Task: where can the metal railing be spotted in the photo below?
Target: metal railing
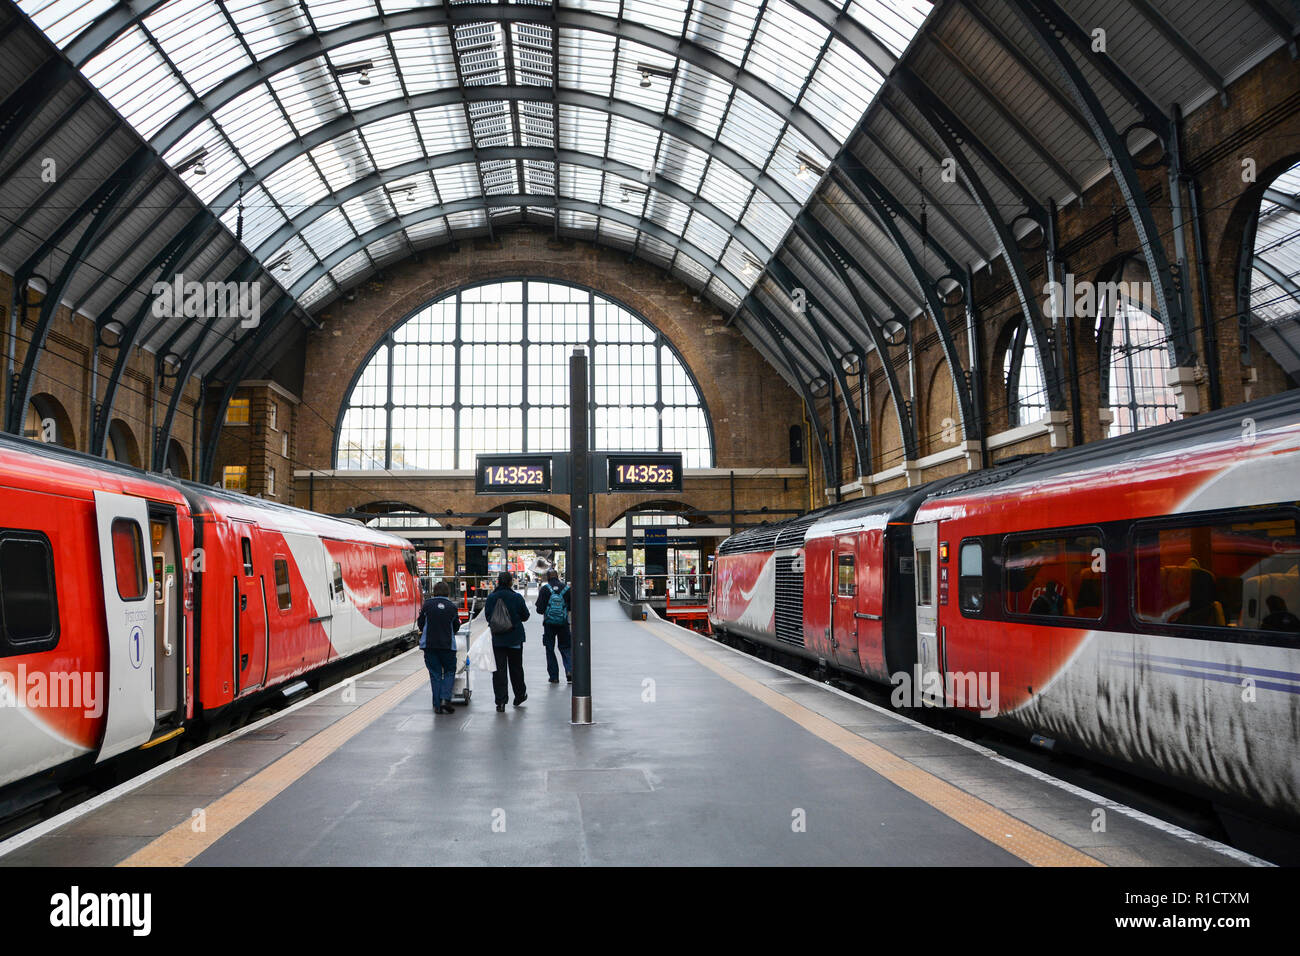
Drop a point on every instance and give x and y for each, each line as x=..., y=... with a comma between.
x=665, y=589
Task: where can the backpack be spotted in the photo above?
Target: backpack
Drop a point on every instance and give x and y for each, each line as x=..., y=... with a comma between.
x=556, y=612
x=501, y=621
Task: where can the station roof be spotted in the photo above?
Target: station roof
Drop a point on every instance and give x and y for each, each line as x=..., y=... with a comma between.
x=310, y=143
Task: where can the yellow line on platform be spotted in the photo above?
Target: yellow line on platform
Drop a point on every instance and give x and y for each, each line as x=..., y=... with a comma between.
x=1000, y=828
x=181, y=844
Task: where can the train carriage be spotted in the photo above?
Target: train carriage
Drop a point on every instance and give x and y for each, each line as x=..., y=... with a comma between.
x=1136, y=600
x=134, y=607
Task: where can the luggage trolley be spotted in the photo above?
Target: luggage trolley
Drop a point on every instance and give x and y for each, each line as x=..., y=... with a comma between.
x=463, y=687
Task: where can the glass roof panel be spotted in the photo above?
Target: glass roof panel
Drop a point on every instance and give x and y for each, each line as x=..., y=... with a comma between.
x=726, y=189
x=632, y=143
x=327, y=14
x=443, y=128
x=255, y=124
x=261, y=217
x=681, y=162
x=269, y=25
x=392, y=141
x=378, y=84
x=768, y=222
x=532, y=54
x=632, y=85
x=492, y=123
x=786, y=48
x=706, y=236
x=199, y=40
x=309, y=94
x=784, y=167
x=135, y=78
x=539, y=177
x=723, y=26
x=468, y=220
x=751, y=129
x=690, y=270
x=480, y=49
x=62, y=20
x=220, y=163
x=354, y=265
x=893, y=23
x=666, y=16
x=577, y=221
x=699, y=98
x=427, y=231
x=425, y=59
x=579, y=182
x=457, y=182
x=320, y=290
x=583, y=129
x=500, y=177
x=412, y=192
x=369, y=210
x=841, y=90
x=609, y=8
x=667, y=212
x=617, y=233
x=537, y=124
x=296, y=186
x=328, y=233
x=586, y=61
x=342, y=161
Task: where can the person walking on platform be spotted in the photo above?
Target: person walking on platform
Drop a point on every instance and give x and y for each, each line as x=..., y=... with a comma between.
x=439, y=618
x=553, y=600
x=506, y=610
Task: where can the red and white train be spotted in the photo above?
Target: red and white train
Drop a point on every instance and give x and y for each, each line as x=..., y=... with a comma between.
x=1136, y=600
x=134, y=607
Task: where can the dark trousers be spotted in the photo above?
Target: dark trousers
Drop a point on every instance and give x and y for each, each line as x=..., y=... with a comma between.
x=442, y=673
x=511, y=658
x=550, y=633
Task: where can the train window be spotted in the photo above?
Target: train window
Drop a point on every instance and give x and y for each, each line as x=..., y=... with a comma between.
x=1241, y=573
x=847, y=581
x=383, y=579
x=247, y=547
x=1053, y=575
x=923, y=565
x=410, y=564
x=128, y=559
x=27, y=598
x=970, y=579
x=283, y=593
x=339, y=593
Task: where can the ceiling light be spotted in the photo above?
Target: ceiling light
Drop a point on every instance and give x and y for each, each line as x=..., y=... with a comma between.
x=648, y=70
x=281, y=262
x=645, y=80
x=808, y=167
x=361, y=69
x=194, y=161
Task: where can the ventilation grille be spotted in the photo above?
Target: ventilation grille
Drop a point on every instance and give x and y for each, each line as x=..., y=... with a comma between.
x=768, y=537
x=789, y=602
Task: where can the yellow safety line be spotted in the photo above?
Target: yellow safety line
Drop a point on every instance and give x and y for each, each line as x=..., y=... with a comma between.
x=181, y=844
x=1000, y=828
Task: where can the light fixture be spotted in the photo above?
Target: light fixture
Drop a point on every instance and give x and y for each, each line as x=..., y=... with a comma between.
x=361, y=69
x=749, y=267
x=808, y=167
x=629, y=191
x=194, y=161
x=649, y=70
x=281, y=262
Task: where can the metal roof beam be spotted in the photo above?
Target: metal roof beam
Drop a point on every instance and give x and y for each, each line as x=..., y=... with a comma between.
x=21, y=108
x=1043, y=25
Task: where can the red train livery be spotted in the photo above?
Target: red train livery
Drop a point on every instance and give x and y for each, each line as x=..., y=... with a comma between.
x=134, y=607
x=1136, y=600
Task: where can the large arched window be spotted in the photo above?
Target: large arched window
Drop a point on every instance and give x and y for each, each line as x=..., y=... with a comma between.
x=1026, y=393
x=486, y=369
x=1134, y=345
x=1271, y=297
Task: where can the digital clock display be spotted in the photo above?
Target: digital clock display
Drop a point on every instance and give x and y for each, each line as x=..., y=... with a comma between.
x=645, y=472
x=504, y=474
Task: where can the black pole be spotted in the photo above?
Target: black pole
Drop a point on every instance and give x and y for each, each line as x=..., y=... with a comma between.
x=579, y=482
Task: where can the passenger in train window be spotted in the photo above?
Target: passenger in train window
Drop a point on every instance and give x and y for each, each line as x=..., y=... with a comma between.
x=1052, y=601
x=439, y=618
x=1279, y=618
x=1202, y=608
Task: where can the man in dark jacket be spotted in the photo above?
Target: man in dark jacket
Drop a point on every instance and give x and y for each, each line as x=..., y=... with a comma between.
x=508, y=645
x=553, y=603
x=438, y=621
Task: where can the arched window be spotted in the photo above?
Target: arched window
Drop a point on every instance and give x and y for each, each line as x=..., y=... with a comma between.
x=1026, y=392
x=1134, y=346
x=532, y=518
x=486, y=369
x=1274, y=275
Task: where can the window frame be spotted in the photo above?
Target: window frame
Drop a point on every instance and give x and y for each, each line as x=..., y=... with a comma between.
x=279, y=561
x=983, y=577
x=145, y=562
x=10, y=647
x=1197, y=519
x=1056, y=620
x=839, y=575
x=385, y=586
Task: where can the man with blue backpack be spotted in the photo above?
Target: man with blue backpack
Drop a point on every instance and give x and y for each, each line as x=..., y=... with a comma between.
x=553, y=599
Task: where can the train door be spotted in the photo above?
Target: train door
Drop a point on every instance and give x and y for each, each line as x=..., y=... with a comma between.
x=250, y=610
x=925, y=545
x=169, y=644
x=128, y=613
x=844, y=603
x=870, y=602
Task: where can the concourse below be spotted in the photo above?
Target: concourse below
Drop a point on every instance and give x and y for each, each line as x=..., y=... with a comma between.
x=699, y=755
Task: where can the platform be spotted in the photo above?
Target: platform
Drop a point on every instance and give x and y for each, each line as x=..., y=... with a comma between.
x=700, y=755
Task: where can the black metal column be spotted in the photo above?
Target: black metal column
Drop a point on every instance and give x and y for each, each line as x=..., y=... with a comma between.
x=579, y=543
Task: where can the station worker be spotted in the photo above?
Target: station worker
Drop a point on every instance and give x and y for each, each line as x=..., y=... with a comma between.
x=553, y=603
x=508, y=646
x=439, y=618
